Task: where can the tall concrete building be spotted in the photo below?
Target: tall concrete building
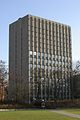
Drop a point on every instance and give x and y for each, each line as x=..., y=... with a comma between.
x=40, y=60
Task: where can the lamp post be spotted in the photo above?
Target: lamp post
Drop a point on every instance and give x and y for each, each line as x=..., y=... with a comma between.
x=43, y=104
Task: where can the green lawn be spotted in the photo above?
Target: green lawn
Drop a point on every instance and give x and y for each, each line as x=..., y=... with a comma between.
x=33, y=115
x=74, y=111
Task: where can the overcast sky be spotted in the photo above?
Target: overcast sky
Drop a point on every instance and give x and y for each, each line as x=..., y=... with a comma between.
x=64, y=11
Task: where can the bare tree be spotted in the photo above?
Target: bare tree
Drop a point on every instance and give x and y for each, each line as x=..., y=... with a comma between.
x=76, y=70
x=3, y=79
x=76, y=80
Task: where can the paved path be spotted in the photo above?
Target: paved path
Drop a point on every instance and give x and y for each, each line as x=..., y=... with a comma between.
x=66, y=113
x=7, y=110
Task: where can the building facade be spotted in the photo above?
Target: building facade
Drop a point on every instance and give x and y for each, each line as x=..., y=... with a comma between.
x=40, y=60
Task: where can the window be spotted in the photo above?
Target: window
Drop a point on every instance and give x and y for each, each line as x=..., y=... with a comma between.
x=30, y=52
x=34, y=53
x=42, y=62
x=34, y=56
x=30, y=65
x=38, y=66
x=38, y=62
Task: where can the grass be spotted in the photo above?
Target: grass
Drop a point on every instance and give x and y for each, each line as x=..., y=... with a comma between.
x=33, y=115
x=74, y=111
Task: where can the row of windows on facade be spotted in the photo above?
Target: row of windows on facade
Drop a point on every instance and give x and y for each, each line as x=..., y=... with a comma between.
x=58, y=51
x=49, y=43
x=60, y=85
x=61, y=53
x=48, y=35
x=49, y=61
x=51, y=64
x=55, y=67
x=45, y=23
x=56, y=42
x=65, y=51
x=51, y=49
x=48, y=56
x=51, y=80
x=51, y=72
x=47, y=39
x=52, y=57
x=47, y=32
x=68, y=55
x=46, y=77
x=51, y=28
x=49, y=77
x=50, y=95
x=42, y=22
x=35, y=57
